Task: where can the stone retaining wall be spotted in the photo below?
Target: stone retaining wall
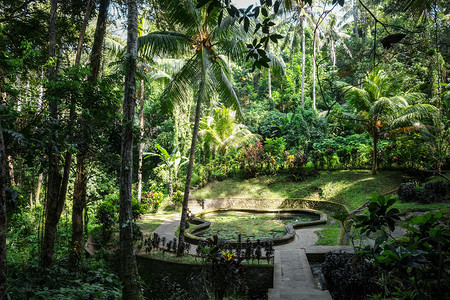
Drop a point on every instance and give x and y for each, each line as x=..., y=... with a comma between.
x=288, y=203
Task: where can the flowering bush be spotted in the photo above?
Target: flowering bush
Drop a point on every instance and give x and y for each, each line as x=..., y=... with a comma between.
x=155, y=200
x=253, y=158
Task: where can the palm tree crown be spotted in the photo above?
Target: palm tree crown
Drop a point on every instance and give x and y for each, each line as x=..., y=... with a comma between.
x=380, y=110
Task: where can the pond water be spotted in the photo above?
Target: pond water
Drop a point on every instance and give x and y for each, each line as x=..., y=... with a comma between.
x=251, y=225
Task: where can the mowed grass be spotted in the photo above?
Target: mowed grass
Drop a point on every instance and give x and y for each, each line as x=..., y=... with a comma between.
x=348, y=187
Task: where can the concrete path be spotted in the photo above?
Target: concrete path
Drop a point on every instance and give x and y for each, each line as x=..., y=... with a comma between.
x=168, y=228
x=293, y=278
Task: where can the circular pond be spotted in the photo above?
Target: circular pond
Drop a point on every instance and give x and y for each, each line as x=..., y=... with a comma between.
x=264, y=225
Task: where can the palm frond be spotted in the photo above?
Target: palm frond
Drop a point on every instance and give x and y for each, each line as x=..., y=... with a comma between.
x=277, y=65
x=224, y=87
x=358, y=98
x=164, y=43
x=181, y=84
x=385, y=107
x=416, y=113
x=183, y=15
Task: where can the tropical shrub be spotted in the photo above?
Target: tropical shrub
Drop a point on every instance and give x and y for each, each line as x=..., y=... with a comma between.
x=430, y=192
x=177, y=198
x=253, y=158
x=414, y=266
x=349, y=276
x=155, y=200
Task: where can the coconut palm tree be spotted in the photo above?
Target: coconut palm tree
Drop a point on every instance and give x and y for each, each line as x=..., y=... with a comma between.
x=379, y=110
x=220, y=132
x=201, y=40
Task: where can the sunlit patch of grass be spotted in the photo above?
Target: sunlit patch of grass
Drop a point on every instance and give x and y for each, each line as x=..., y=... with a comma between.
x=348, y=187
x=328, y=236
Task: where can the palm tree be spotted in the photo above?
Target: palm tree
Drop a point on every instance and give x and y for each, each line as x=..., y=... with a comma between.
x=205, y=74
x=379, y=110
x=220, y=132
x=172, y=163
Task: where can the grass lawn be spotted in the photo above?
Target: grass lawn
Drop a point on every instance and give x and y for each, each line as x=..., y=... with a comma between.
x=348, y=187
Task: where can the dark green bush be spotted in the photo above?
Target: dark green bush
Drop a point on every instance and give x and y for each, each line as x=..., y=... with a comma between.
x=348, y=276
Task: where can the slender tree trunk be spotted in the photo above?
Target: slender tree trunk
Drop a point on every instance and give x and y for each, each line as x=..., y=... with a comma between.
x=38, y=189
x=141, y=139
x=302, y=18
x=314, y=70
x=83, y=30
x=53, y=207
x=131, y=286
x=79, y=203
x=3, y=220
x=375, y=154
x=12, y=181
x=269, y=77
x=79, y=195
x=190, y=168
x=99, y=36
x=333, y=53
x=355, y=20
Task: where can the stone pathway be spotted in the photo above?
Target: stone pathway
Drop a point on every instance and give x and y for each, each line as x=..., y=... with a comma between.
x=168, y=228
x=292, y=278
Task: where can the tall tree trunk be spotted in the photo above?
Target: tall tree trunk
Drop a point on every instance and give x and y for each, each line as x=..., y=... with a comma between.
x=38, y=188
x=54, y=207
x=333, y=52
x=3, y=220
x=190, y=168
x=375, y=154
x=355, y=20
x=79, y=203
x=131, y=287
x=99, y=36
x=141, y=139
x=269, y=76
x=302, y=18
x=79, y=195
x=83, y=31
x=314, y=70
x=12, y=181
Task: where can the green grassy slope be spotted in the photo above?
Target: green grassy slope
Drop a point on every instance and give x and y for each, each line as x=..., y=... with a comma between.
x=348, y=187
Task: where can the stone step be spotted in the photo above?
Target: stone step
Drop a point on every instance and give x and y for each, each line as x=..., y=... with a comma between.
x=298, y=294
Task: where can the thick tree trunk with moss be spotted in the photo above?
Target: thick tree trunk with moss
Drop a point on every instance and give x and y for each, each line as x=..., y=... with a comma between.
x=189, y=172
x=131, y=286
x=3, y=220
